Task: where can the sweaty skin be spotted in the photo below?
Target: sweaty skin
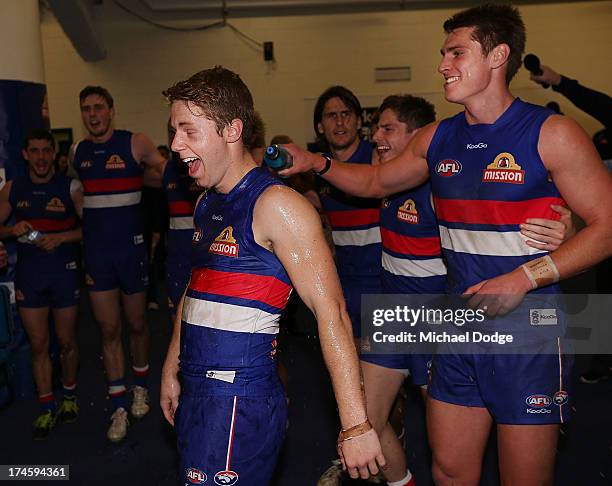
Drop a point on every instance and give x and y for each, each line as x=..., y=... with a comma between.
x=286, y=224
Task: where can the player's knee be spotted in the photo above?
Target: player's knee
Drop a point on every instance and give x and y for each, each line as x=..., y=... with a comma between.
x=110, y=332
x=447, y=474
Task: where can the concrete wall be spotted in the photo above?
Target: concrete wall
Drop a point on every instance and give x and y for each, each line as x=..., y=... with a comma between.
x=312, y=53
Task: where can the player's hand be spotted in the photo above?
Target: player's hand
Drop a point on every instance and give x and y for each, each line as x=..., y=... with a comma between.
x=303, y=161
x=21, y=228
x=499, y=295
x=50, y=242
x=546, y=234
x=169, y=395
x=362, y=455
x=548, y=76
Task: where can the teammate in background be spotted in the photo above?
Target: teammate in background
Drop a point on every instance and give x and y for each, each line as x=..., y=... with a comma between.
x=254, y=238
x=48, y=202
x=494, y=164
x=181, y=193
x=111, y=165
x=354, y=221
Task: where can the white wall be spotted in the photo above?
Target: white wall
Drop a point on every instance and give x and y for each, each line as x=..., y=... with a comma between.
x=312, y=53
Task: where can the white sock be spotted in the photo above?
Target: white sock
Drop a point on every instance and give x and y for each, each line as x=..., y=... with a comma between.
x=402, y=482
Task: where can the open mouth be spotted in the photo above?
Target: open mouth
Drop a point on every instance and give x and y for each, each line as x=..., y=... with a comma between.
x=193, y=163
x=451, y=80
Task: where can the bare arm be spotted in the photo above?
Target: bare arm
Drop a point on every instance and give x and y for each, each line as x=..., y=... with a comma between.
x=574, y=165
x=170, y=385
x=285, y=223
x=586, y=186
x=406, y=171
x=5, y=212
x=146, y=154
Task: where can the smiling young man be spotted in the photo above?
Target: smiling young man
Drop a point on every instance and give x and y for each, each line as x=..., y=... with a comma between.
x=47, y=276
x=254, y=240
x=112, y=165
x=491, y=166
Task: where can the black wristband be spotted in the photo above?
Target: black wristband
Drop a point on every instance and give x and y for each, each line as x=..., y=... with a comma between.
x=328, y=162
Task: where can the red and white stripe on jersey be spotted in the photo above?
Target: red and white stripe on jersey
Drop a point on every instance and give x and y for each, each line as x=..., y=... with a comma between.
x=52, y=225
x=405, y=267
x=350, y=228
x=253, y=303
x=493, y=213
x=112, y=193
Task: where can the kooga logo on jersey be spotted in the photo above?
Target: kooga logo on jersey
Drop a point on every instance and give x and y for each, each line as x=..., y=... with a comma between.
x=476, y=146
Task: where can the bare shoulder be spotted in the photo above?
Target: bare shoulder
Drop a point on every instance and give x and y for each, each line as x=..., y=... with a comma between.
x=281, y=210
x=563, y=141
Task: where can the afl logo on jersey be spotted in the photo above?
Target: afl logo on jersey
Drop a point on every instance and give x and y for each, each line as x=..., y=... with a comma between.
x=408, y=213
x=197, y=235
x=225, y=244
x=448, y=167
x=23, y=204
x=226, y=478
x=115, y=162
x=504, y=169
x=56, y=205
x=171, y=186
x=85, y=164
x=195, y=476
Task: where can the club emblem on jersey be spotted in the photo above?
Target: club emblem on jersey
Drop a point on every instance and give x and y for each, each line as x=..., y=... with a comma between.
x=115, y=162
x=504, y=169
x=448, y=167
x=560, y=398
x=225, y=244
x=408, y=212
x=195, y=476
x=56, y=205
x=85, y=164
x=226, y=478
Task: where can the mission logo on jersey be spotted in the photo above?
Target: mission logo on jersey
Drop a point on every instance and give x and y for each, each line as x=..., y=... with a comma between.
x=225, y=244
x=408, y=212
x=504, y=169
x=56, y=205
x=115, y=162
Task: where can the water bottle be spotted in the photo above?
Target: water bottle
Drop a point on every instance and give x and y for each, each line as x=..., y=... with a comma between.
x=278, y=158
x=32, y=236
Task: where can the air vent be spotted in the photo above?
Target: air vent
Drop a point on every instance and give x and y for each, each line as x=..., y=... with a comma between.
x=400, y=73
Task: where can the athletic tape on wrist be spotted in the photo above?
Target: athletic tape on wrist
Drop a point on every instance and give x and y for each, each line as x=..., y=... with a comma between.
x=541, y=272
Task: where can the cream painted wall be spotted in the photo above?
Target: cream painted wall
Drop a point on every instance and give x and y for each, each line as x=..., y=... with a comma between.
x=312, y=53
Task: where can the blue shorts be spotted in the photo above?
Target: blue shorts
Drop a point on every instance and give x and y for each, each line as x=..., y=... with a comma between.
x=116, y=268
x=417, y=365
x=353, y=289
x=34, y=289
x=177, y=278
x=530, y=389
x=227, y=440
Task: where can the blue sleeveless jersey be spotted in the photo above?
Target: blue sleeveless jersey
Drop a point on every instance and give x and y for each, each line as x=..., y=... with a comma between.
x=48, y=208
x=181, y=193
x=487, y=179
x=112, y=182
x=355, y=225
x=235, y=296
x=411, y=253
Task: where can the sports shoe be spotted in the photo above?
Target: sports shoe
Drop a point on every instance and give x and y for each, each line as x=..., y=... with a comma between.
x=68, y=411
x=333, y=476
x=43, y=425
x=140, y=403
x=118, y=427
